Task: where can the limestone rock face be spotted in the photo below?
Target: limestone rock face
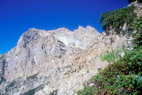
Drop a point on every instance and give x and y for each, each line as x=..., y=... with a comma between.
x=54, y=62
x=138, y=8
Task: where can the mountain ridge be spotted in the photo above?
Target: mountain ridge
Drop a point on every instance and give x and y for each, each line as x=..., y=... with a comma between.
x=56, y=60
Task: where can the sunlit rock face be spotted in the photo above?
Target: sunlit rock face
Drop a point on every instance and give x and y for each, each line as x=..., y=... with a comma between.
x=56, y=61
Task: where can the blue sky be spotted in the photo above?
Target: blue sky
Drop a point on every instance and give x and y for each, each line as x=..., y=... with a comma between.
x=17, y=16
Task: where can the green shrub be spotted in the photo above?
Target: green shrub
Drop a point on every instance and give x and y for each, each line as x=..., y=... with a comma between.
x=138, y=35
x=114, y=55
x=110, y=56
x=88, y=90
x=138, y=23
x=124, y=77
x=116, y=19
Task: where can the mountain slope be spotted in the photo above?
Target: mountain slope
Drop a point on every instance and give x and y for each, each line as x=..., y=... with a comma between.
x=57, y=61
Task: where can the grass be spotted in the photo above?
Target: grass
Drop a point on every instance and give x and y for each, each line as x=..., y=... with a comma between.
x=113, y=56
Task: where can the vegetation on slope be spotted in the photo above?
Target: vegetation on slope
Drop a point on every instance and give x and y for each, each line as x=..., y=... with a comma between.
x=113, y=56
x=124, y=76
x=116, y=19
x=138, y=33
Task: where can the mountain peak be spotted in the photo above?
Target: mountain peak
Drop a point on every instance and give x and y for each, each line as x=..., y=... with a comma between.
x=89, y=27
x=63, y=29
x=51, y=56
x=80, y=27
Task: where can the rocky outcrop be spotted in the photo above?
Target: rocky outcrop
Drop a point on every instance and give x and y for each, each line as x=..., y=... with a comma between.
x=138, y=8
x=56, y=61
x=2, y=67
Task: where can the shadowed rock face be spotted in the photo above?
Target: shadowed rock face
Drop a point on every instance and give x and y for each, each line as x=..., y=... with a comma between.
x=2, y=66
x=57, y=61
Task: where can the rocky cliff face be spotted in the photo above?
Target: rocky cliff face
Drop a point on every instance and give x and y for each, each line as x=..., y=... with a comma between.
x=55, y=62
x=138, y=8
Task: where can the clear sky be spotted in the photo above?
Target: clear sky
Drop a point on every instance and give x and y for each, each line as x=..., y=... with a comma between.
x=17, y=16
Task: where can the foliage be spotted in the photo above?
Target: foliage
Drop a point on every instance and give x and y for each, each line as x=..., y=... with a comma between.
x=138, y=38
x=124, y=77
x=112, y=56
x=116, y=19
x=138, y=24
x=138, y=35
x=88, y=90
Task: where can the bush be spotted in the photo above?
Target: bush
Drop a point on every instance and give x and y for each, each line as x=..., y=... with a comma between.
x=110, y=56
x=138, y=23
x=116, y=19
x=124, y=77
x=138, y=35
x=113, y=56
x=88, y=91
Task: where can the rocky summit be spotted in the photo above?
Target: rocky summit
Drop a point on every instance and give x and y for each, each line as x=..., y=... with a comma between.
x=55, y=62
